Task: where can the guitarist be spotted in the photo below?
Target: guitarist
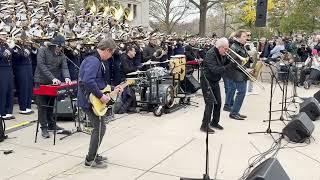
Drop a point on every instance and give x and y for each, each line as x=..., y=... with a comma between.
x=92, y=78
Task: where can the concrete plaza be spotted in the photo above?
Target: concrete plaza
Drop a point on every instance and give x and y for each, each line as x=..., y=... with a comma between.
x=145, y=147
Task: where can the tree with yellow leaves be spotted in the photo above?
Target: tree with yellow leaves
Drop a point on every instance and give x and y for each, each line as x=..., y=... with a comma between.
x=248, y=11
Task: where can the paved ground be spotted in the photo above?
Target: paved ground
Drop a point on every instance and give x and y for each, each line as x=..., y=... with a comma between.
x=145, y=147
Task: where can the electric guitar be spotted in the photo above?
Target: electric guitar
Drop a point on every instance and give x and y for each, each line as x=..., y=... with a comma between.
x=99, y=108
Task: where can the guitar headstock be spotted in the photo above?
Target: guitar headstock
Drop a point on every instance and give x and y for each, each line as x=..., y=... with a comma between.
x=130, y=82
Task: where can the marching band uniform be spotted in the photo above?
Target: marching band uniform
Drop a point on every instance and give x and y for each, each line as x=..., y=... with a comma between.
x=22, y=68
x=6, y=82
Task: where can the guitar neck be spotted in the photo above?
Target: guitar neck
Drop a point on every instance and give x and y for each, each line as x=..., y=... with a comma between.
x=115, y=93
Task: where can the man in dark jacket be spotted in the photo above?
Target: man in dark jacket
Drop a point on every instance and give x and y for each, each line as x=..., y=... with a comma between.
x=238, y=78
x=51, y=64
x=128, y=98
x=91, y=80
x=214, y=65
x=191, y=51
x=152, y=51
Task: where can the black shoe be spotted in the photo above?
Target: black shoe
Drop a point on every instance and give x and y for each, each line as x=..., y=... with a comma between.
x=227, y=108
x=45, y=134
x=95, y=164
x=101, y=158
x=242, y=116
x=51, y=128
x=235, y=116
x=204, y=129
x=217, y=126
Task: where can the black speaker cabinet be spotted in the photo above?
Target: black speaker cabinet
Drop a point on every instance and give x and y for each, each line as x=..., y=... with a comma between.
x=317, y=96
x=190, y=84
x=64, y=109
x=299, y=128
x=261, y=13
x=311, y=107
x=269, y=169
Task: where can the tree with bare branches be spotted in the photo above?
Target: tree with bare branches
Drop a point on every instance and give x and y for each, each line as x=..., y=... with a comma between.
x=168, y=12
x=203, y=6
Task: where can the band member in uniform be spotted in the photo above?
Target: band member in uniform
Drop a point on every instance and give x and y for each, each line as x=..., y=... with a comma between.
x=91, y=80
x=238, y=78
x=22, y=68
x=214, y=65
x=6, y=79
x=51, y=64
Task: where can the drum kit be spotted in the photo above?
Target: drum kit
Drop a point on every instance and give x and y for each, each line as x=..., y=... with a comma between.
x=158, y=87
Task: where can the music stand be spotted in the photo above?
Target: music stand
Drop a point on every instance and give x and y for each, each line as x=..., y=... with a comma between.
x=269, y=130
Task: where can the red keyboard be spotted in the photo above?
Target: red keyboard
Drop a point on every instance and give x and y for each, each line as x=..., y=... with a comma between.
x=193, y=62
x=55, y=90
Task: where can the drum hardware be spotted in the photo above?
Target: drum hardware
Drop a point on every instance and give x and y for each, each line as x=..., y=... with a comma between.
x=136, y=73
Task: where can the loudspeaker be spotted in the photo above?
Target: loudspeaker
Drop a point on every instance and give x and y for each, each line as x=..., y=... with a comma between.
x=317, y=96
x=269, y=169
x=190, y=84
x=64, y=109
x=261, y=13
x=299, y=128
x=311, y=107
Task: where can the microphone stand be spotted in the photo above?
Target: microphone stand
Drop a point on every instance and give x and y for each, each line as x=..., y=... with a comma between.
x=206, y=175
x=78, y=127
x=268, y=130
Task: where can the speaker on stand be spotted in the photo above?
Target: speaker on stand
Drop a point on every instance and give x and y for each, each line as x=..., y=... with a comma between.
x=261, y=13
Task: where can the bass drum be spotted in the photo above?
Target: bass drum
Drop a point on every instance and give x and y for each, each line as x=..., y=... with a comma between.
x=166, y=95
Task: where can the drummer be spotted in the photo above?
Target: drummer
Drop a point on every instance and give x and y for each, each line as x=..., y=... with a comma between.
x=128, y=102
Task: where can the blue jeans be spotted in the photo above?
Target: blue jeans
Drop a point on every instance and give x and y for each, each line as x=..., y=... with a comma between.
x=229, y=90
x=241, y=87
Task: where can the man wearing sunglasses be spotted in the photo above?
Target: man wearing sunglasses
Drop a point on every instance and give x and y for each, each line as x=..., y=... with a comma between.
x=51, y=64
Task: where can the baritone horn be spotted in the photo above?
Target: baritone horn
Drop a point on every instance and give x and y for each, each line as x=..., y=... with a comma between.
x=128, y=14
x=243, y=69
x=116, y=10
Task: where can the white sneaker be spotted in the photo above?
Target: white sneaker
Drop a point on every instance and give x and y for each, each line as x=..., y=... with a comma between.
x=8, y=117
x=252, y=93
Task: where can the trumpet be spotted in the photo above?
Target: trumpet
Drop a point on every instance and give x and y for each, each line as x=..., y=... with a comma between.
x=252, y=78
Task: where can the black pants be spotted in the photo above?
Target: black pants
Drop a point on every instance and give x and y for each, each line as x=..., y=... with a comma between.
x=99, y=128
x=45, y=113
x=211, y=110
x=314, y=75
x=304, y=74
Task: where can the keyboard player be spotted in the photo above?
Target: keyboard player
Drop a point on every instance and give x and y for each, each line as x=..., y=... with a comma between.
x=51, y=64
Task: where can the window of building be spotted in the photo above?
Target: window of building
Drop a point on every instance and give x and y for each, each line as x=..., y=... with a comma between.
x=134, y=10
x=129, y=6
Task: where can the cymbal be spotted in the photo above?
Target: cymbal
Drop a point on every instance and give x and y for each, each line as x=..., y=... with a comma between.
x=136, y=73
x=178, y=56
x=150, y=63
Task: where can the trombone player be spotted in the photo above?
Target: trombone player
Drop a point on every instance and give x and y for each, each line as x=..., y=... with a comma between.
x=214, y=65
x=237, y=77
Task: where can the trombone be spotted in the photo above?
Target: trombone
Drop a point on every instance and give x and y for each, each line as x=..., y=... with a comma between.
x=240, y=66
